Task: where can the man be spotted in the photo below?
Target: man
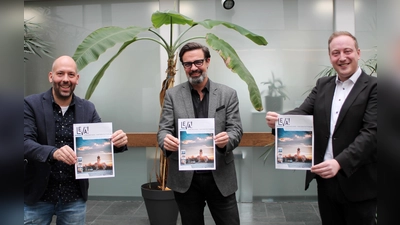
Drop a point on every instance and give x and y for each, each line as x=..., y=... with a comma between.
x=202, y=98
x=344, y=108
x=50, y=187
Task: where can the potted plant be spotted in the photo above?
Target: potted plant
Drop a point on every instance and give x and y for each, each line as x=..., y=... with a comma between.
x=275, y=94
x=104, y=38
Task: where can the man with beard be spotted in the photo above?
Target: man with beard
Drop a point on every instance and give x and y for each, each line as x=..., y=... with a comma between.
x=50, y=187
x=345, y=114
x=202, y=98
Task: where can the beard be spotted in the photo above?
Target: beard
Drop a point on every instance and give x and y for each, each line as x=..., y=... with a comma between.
x=197, y=80
x=62, y=94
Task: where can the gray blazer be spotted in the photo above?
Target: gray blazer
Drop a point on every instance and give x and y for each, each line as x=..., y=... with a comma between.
x=224, y=107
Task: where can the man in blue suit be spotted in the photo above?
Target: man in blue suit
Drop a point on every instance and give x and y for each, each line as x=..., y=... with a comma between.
x=199, y=97
x=50, y=187
x=345, y=111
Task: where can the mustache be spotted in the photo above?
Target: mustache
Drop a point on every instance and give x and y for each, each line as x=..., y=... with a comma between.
x=195, y=71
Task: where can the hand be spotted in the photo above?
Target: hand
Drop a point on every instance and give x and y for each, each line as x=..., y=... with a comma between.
x=65, y=154
x=271, y=118
x=221, y=139
x=119, y=138
x=326, y=169
x=171, y=143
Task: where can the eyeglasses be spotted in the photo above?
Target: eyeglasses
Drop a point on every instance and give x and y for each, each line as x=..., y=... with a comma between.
x=197, y=63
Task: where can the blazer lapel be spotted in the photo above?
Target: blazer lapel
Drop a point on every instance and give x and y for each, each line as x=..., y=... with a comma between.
x=49, y=118
x=329, y=92
x=360, y=84
x=187, y=100
x=213, y=100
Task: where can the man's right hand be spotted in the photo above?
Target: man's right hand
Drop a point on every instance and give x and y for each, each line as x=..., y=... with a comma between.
x=65, y=154
x=171, y=143
x=271, y=118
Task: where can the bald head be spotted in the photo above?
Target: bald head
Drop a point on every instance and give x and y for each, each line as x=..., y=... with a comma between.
x=64, y=60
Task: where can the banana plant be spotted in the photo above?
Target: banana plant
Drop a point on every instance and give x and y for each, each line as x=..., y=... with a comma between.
x=100, y=40
x=104, y=38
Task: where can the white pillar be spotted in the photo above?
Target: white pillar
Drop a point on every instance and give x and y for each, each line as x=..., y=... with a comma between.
x=164, y=31
x=344, y=16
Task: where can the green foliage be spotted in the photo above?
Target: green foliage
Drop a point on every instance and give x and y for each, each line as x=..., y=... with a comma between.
x=276, y=87
x=104, y=38
x=268, y=149
x=33, y=44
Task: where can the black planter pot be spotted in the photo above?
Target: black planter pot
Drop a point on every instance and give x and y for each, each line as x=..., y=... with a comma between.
x=160, y=205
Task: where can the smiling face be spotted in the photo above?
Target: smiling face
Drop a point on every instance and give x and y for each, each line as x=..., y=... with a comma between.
x=196, y=74
x=64, y=78
x=344, y=56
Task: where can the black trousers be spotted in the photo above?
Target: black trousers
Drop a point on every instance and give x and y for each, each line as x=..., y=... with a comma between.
x=336, y=209
x=203, y=189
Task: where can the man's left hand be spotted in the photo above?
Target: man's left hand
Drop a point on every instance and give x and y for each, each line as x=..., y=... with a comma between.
x=326, y=169
x=119, y=138
x=221, y=139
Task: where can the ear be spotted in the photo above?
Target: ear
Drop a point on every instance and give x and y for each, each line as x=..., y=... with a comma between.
x=77, y=78
x=50, y=77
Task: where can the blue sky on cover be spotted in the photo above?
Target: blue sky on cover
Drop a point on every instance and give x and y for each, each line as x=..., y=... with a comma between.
x=93, y=146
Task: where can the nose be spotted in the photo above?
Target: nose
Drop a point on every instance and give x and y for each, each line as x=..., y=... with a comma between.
x=65, y=77
x=342, y=57
x=191, y=66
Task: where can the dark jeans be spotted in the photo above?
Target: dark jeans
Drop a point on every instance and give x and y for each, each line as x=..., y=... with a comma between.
x=203, y=189
x=335, y=209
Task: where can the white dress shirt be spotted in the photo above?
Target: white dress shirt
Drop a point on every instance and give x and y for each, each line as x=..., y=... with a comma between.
x=342, y=90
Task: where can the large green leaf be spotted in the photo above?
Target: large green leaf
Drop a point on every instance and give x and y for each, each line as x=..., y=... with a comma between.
x=100, y=40
x=233, y=62
x=209, y=24
x=96, y=79
x=167, y=17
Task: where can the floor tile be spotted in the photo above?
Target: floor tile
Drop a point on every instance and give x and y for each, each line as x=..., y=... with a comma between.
x=100, y=212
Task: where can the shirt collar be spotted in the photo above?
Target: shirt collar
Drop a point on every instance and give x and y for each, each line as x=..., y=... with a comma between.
x=70, y=104
x=353, y=77
x=206, y=87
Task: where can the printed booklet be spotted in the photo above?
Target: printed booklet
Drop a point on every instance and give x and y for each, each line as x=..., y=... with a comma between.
x=294, y=139
x=196, y=144
x=95, y=152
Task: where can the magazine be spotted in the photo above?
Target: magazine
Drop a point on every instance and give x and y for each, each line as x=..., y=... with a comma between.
x=196, y=144
x=294, y=140
x=94, y=150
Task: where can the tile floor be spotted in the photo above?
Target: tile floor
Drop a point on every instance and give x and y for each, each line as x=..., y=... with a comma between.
x=102, y=212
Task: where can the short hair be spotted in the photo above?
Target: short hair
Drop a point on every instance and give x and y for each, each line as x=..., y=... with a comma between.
x=193, y=46
x=342, y=33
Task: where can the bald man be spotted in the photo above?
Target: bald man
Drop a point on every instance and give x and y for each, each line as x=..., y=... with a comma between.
x=50, y=187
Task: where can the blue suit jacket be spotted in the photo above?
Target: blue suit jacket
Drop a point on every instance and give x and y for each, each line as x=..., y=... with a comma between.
x=39, y=141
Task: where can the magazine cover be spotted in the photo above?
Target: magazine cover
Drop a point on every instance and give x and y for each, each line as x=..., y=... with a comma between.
x=196, y=144
x=95, y=152
x=294, y=139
